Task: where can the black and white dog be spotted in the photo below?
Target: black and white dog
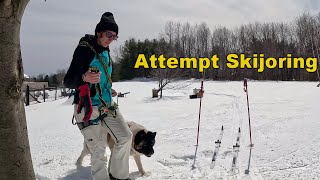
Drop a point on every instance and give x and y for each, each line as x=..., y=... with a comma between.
x=142, y=144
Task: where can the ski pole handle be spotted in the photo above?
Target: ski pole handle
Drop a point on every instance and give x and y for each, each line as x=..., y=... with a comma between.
x=201, y=90
x=245, y=84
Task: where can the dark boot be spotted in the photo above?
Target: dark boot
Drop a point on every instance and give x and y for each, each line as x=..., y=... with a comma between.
x=113, y=178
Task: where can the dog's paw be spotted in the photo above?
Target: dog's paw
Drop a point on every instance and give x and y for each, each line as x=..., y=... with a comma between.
x=146, y=174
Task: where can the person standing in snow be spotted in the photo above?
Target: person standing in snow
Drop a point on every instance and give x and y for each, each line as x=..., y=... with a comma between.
x=90, y=75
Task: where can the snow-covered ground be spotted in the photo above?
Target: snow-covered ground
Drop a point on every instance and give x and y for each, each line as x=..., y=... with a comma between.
x=284, y=119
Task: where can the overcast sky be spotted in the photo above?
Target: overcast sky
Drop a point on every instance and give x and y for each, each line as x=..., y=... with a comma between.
x=51, y=30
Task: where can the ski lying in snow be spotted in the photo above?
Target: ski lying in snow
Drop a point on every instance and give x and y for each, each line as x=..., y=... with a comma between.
x=236, y=149
x=216, y=150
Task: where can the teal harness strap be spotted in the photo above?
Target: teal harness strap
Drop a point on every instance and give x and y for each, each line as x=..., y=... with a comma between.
x=104, y=107
x=105, y=66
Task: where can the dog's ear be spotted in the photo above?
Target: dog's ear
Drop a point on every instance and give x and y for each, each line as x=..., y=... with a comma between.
x=151, y=135
x=140, y=136
x=154, y=134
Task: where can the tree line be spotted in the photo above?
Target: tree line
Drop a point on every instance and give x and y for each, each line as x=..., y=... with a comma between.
x=54, y=79
x=301, y=38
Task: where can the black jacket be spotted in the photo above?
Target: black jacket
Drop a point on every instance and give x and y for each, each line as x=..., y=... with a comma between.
x=82, y=57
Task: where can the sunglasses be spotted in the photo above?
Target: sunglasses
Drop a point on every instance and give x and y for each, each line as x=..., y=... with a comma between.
x=110, y=35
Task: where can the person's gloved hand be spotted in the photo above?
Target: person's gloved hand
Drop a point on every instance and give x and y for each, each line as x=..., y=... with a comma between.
x=85, y=101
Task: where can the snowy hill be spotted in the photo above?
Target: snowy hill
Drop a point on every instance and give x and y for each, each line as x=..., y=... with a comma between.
x=284, y=119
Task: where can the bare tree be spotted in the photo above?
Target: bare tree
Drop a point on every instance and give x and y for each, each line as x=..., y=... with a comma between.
x=167, y=76
x=306, y=31
x=15, y=157
x=221, y=44
x=202, y=40
x=60, y=75
x=185, y=33
x=170, y=44
x=169, y=32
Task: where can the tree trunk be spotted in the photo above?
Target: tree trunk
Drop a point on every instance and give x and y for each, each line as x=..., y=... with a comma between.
x=15, y=157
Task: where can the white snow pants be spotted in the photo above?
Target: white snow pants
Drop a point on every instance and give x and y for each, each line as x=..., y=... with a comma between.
x=118, y=129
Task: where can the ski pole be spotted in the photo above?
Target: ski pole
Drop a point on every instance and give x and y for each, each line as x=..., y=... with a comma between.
x=195, y=154
x=249, y=161
x=246, y=90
